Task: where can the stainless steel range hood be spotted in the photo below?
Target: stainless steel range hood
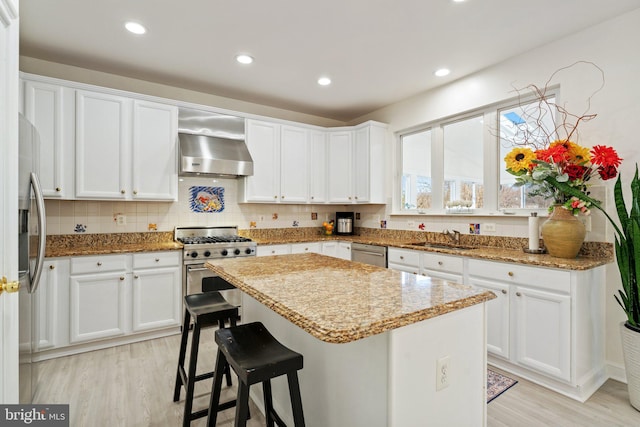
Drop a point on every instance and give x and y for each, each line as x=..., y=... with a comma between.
x=212, y=144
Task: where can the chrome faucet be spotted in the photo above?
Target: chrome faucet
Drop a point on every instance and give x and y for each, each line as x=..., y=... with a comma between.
x=454, y=236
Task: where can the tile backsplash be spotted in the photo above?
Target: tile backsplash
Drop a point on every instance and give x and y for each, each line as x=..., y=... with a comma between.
x=90, y=217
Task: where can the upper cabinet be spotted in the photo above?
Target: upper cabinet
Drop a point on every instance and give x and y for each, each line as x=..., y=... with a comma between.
x=125, y=148
x=318, y=158
x=50, y=108
x=154, y=168
x=356, y=168
x=280, y=156
x=103, y=142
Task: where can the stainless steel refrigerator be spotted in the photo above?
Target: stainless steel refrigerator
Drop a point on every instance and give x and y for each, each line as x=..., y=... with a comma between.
x=32, y=235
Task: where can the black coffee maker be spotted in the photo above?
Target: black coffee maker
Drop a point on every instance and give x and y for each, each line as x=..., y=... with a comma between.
x=344, y=223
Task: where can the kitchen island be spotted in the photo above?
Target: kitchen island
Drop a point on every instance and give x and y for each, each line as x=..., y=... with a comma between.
x=372, y=340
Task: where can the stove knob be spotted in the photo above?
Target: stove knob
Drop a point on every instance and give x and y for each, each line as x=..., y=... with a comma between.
x=207, y=253
x=224, y=252
x=247, y=251
x=237, y=252
x=194, y=254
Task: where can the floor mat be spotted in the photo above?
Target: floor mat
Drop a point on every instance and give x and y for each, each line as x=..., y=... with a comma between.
x=497, y=384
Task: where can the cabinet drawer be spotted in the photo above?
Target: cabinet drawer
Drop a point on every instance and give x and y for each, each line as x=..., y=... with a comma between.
x=156, y=259
x=539, y=277
x=406, y=257
x=98, y=264
x=450, y=264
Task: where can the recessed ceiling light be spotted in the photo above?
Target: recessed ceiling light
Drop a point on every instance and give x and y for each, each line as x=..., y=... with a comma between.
x=135, y=28
x=324, y=81
x=442, y=72
x=244, y=59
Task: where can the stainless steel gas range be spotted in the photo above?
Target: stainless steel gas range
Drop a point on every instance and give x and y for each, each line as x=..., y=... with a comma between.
x=202, y=244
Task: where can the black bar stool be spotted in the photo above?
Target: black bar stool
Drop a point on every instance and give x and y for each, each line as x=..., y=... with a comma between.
x=255, y=356
x=206, y=309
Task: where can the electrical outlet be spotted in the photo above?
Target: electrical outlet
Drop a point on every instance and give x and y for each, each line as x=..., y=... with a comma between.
x=489, y=227
x=443, y=372
x=121, y=220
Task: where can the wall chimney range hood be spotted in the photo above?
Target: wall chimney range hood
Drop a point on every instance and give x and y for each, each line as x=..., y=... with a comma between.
x=212, y=144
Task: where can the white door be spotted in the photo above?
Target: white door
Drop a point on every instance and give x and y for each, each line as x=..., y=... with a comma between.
x=9, y=199
x=294, y=167
x=340, y=167
x=263, y=141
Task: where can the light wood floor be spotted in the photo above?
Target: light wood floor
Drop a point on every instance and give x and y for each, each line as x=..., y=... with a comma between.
x=132, y=386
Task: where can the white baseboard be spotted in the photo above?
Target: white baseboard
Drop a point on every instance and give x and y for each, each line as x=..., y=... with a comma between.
x=616, y=371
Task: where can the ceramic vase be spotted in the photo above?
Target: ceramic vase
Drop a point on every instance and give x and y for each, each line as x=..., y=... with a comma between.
x=631, y=351
x=563, y=233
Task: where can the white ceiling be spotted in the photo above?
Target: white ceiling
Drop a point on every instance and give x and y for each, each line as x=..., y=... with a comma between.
x=377, y=52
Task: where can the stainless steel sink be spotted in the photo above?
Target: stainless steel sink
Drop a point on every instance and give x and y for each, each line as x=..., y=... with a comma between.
x=442, y=246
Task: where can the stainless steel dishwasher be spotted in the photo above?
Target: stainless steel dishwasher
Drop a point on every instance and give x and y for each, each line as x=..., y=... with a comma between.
x=369, y=254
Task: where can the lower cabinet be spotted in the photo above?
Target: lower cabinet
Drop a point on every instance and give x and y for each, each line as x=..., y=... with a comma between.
x=404, y=260
x=337, y=249
x=266, y=250
x=91, y=298
x=546, y=325
x=445, y=267
x=305, y=248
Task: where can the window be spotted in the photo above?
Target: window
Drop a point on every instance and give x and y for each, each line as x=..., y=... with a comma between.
x=444, y=164
x=416, y=171
x=529, y=125
x=463, y=163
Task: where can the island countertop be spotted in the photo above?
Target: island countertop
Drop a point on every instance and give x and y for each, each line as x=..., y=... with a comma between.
x=339, y=301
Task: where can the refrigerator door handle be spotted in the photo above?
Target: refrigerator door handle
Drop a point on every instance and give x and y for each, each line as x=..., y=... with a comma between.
x=42, y=234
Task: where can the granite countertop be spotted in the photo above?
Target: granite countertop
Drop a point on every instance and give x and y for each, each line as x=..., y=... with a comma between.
x=109, y=243
x=493, y=253
x=339, y=301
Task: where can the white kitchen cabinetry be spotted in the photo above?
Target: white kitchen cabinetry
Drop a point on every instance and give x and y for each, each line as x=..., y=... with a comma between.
x=106, y=144
x=356, y=169
x=266, y=250
x=554, y=334
x=305, y=248
x=155, y=131
x=337, y=249
x=157, y=290
x=404, y=260
x=280, y=156
x=97, y=297
x=318, y=158
x=341, y=166
x=445, y=267
x=50, y=108
x=50, y=300
x=344, y=250
x=91, y=302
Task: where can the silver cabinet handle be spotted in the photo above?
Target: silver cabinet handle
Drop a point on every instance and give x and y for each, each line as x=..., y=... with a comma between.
x=157, y=259
x=504, y=291
x=51, y=267
x=99, y=263
x=439, y=262
x=121, y=278
x=518, y=294
x=510, y=274
x=136, y=276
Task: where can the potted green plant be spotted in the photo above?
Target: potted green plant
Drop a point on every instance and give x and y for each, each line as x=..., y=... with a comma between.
x=627, y=249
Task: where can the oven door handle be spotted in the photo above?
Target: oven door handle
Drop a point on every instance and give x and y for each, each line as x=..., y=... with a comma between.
x=189, y=268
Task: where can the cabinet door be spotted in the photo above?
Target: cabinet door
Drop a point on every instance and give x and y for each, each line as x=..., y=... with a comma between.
x=263, y=141
x=361, y=165
x=318, y=167
x=340, y=167
x=156, y=298
x=294, y=165
x=47, y=306
x=97, y=306
x=497, y=316
x=265, y=250
x=155, y=175
x=330, y=248
x=50, y=109
x=102, y=145
x=344, y=250
x=306, y=248
x=543, y=328
x=449, y=277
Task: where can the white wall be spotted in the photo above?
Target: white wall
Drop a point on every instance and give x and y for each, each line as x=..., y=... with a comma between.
x=611, y=45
